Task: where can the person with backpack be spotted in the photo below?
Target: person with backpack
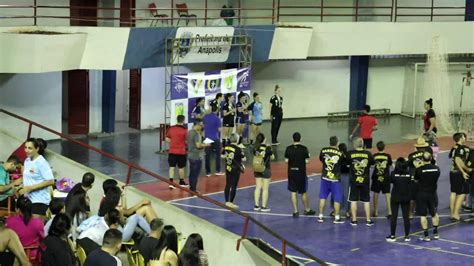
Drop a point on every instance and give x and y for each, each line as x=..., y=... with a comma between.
x=262, y=154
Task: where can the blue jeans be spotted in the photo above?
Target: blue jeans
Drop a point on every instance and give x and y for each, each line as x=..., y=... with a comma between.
x=132, y=223
x=194, y=170
x=216, y=149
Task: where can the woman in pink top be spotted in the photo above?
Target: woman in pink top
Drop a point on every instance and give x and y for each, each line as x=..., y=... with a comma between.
x=30, y=230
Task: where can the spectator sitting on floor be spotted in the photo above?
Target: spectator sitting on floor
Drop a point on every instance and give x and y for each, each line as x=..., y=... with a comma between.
x=29, y=229
x=56, y=248
x=6, y=188
x=56, y=206
x=9, y=241
x=82, y=188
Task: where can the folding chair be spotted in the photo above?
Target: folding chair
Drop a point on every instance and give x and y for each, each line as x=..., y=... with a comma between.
x=154, y=13
x=183, y=13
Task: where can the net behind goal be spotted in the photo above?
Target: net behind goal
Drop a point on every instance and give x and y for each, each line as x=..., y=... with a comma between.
x=450, y=89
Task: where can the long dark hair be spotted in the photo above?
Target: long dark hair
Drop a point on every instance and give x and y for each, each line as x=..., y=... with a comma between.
x=401, y=167
x=168, y=239
x=429, y=102
x=24, y=205
x=189, y=255
x=111, y=200
x=39, y=144
x=76, y=204
x=259, y=141
x=60, y=226
x=198, y=239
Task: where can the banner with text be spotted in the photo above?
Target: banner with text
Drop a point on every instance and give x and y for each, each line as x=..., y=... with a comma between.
x=203, y=44
x=187, y=88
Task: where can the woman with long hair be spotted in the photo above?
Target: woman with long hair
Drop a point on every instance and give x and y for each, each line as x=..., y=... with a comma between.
x=77, y=208
x=167, y=249
x=29, y=229
x=198, y=111
x=56, y=247
x=193, y=252
x=228, y=119
x=400, y=178
x=242, y=115
x=37, y=177
x=262, y=179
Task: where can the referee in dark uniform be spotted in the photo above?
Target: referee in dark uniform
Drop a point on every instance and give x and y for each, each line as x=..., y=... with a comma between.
x=276, y=114
x=426, y=199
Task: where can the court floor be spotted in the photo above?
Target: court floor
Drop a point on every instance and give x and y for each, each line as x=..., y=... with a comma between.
x=343, y=243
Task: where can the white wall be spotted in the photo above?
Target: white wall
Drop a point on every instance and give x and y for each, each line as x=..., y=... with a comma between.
x=37, y=97
x=95, y=101
x=386, y=82
x=153, y=97
x=122, y=95
x=60, y=12
x=310, y=88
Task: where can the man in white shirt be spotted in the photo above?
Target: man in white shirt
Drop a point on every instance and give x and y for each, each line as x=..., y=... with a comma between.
x=93, y=237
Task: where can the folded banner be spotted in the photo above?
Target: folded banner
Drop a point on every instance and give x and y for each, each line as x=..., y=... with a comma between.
x=203, y=44
x=187, y=88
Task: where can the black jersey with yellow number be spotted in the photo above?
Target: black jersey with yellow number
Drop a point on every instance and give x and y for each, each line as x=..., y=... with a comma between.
x=359, y=163
x=382, y=163
x=233, y=156
x=415, y=159
x=459, y=151
x=332, y=161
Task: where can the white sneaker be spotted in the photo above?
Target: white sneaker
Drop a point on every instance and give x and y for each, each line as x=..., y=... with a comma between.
x=171, y=187
x=220, y=173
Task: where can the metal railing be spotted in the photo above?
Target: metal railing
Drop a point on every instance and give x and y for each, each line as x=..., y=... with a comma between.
x=131, y=166
x=270, y=12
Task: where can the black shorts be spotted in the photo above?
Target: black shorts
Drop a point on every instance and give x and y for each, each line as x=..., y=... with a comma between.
x=459, y=185
x=177, y=159
x=265, y=174
x=297, y=183
x=240, y=120
x=228, y=121
x=359, y=193
x=367, y=143
x=378, y=187
x=426, y=204
x=413, y=190
x=39, y=209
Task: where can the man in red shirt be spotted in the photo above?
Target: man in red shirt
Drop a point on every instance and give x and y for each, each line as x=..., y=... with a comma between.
x=367, y=124
x=176, y=137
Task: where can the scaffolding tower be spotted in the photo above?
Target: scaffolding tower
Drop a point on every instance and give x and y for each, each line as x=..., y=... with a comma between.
x=242, y=42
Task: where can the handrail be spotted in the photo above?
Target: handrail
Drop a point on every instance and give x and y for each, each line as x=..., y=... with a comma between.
x=163, y=179
x=276, y=8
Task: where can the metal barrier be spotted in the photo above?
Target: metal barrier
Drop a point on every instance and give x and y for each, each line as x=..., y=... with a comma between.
x=136, y=167
x=342, y=116
x=270, y=12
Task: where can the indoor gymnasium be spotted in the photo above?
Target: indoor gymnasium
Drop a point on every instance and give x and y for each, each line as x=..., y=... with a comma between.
x=236, y=132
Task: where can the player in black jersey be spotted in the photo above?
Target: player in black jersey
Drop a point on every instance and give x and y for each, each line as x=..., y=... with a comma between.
x=228, y=121
x=332, y=158
x=217, y=102
x=381, y=177
x=233, y=157
x=297, y=156
x=459, y=175
x=276, y=113
x=242, y=114
x=415, y=160
x=427, y=176
x=360, y=161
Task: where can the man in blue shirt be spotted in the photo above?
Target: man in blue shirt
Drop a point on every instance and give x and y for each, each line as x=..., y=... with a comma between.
x=212, y=128
x=5, y=185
